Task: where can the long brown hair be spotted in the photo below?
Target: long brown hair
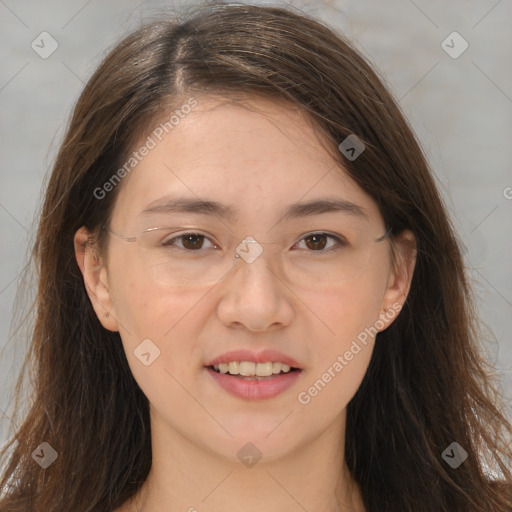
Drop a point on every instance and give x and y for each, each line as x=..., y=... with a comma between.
x=427, y=385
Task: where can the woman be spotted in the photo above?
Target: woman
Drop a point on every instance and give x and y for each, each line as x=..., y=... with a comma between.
x=250, y=293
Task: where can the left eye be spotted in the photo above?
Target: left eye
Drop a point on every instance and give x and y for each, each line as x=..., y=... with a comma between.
x=318, y=241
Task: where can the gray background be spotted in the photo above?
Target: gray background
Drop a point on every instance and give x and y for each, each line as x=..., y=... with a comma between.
x=459, y=107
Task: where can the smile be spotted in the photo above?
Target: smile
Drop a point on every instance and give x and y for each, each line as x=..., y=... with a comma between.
x=254, y=386
x=251, y=369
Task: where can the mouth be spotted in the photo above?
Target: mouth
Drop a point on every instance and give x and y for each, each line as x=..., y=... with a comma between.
x=245, y=370
x=250, y=375
x=251, y=381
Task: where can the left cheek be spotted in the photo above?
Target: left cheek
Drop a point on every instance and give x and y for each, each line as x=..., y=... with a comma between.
x=348, y=312
x=343, y=355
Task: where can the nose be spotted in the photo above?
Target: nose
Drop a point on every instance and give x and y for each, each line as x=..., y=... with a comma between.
x=255, y=297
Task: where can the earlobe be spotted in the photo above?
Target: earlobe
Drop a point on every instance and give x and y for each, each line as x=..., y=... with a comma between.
x=95, y=277
x=400, y=278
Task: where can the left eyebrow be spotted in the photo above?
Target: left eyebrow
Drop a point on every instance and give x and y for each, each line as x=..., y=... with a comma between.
x=293, y=211
x=320, y=206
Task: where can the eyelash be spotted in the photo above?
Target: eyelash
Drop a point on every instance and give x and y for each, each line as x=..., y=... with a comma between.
x=339, y=240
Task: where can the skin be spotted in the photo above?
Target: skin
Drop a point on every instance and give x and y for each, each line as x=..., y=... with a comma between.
x=238, y=156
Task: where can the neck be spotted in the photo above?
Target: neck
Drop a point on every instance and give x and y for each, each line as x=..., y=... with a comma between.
x=187, y=477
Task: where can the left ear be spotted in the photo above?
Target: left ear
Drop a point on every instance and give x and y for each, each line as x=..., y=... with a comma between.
x=400, y=277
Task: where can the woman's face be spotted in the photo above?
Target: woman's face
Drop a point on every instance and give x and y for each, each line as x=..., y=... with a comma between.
x=175, y=321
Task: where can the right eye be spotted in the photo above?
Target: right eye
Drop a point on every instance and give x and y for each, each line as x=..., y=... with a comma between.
x=189, y=241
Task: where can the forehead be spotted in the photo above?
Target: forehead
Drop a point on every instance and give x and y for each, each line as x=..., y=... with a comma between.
x=255, y=157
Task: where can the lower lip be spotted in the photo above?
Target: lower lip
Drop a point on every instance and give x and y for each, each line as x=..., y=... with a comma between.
x=255, y=389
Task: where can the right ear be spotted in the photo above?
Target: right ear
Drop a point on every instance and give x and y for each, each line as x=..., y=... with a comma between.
x=95, y=275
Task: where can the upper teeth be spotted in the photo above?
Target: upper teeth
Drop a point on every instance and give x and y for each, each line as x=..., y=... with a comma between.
x=248, y=368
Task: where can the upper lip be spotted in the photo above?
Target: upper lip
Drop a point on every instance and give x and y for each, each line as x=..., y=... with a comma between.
x=256, y=357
